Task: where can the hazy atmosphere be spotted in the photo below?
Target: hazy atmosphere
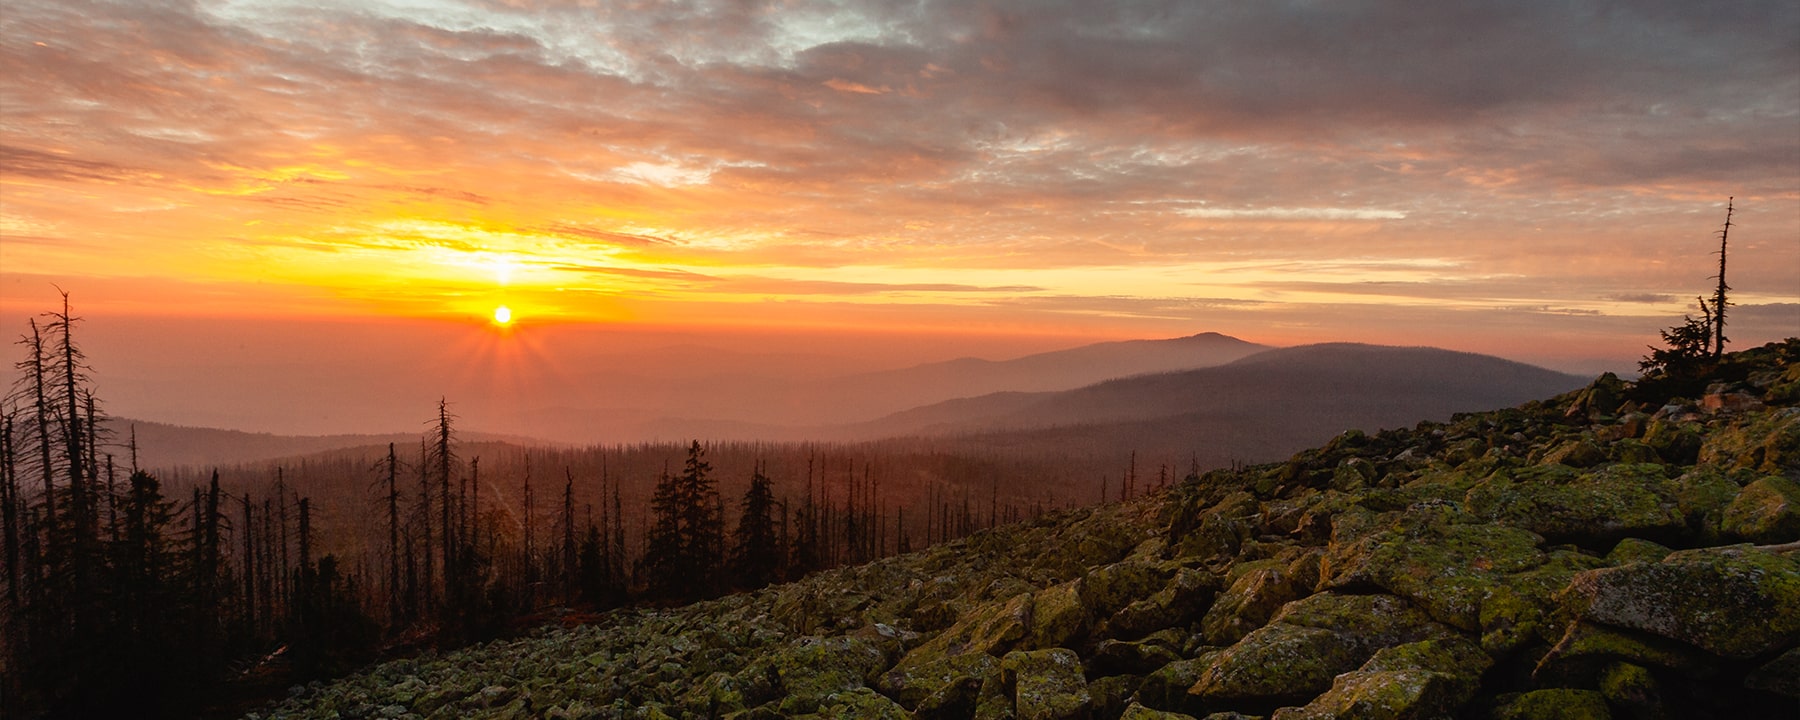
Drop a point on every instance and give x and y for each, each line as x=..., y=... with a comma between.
x=899, y=359
x=231, y=190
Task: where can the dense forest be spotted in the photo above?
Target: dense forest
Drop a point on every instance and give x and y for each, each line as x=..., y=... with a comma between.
x=132, y=589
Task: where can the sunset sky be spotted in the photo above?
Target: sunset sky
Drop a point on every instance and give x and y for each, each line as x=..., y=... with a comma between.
x=1537, y=180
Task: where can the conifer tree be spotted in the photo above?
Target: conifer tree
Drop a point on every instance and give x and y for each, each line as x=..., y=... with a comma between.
x=756, y=550
x=1697, y=343
x=682, y=556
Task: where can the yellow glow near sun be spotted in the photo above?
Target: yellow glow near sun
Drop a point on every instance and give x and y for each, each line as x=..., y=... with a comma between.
x=503, y=315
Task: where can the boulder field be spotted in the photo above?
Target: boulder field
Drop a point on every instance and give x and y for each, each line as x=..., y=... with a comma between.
x=1603, y=554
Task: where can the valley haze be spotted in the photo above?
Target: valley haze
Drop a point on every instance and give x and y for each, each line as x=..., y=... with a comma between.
x=1206, y=395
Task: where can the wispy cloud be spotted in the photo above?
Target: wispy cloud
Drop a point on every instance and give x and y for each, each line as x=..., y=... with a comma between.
x=1580, y=150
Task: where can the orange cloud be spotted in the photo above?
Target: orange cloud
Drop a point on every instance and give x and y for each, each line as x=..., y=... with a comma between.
x=1012, y=163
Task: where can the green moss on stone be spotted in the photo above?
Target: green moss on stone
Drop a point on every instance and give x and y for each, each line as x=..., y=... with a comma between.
x=1765, y=442
x=1634, y=550
x=1107, y=590
x=1446, y=568
x=912, y=683
x=1735, y=602
x=1554, y=704
x=1427, y=679
x=1047, y=684
x=1633, y=688
x=1767, y=511
x=1596, y=508
x=1139, y=712
x=1057, y=615
x=861, y=704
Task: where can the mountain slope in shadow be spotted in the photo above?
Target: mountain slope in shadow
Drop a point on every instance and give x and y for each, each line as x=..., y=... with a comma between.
x=1265, y=405
x=1049, y=371
x=166, y=446
x=791, y=409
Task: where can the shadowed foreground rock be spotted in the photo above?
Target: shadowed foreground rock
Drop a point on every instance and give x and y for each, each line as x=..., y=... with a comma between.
x=1596, y=555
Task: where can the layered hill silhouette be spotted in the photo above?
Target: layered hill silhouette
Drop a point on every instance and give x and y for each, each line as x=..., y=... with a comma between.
x=1043, y=372
x=1260, y=407
x=162, y=445
x=762, y=403
x=1239, y=402
x=1617, y=551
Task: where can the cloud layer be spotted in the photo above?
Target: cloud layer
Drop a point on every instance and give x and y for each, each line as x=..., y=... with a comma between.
x=1159, y=166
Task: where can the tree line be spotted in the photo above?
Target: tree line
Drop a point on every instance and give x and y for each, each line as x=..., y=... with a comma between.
x=121, y=599
x=128, y=595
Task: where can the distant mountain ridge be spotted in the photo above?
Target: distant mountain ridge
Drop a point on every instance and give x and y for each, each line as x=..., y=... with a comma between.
x=1259, y=407
x=166, y=446
x=1487, y=567
x=791, y=409
x=1254, y=406
x=1060, y=369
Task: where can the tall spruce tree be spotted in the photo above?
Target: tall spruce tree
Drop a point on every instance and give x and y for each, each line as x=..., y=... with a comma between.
x=756, y=555
x=684, y=550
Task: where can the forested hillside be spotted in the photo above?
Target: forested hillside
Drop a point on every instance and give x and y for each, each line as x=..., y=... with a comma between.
x=153, y=592
x=1613, y=552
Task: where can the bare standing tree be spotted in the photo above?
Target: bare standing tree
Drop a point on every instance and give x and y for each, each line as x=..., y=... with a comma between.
x=1719, y=302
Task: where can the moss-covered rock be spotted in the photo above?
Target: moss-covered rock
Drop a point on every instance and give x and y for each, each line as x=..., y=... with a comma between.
x=1446, y=567
x=1112, y=694
x=1554, y=704
x=1278, y=662
x=1123, y=657
x=1353, y=474
x=911, y=683
x=1586, y=648
x=1594, y=509
x=1767, y=511
x=1675, y=441
x=1635, y=550
x=1426, y=539
x=1046, y=684
x=1256, y=594
x=1734, y=602
x=719, y=693
x=1057, y=615
x=1702, y=494
x=811, y=668
x=861, y=704
x=1632, y=451
x=1139, y=712
x=992, y=629
x=1576, y=453
x=1217, y=532
x=1188, y=594
x=1107, y=590
x=1634, y=689
x=1311, y=641
x=1166, y=688
x=1766, y=442
x=1427, y=679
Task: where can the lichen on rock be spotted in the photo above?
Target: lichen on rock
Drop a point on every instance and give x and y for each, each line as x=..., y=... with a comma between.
x=1767, y=511
x=1735, y=602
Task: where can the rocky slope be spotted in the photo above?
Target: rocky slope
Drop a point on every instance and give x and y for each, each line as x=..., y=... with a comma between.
x=1606, y=553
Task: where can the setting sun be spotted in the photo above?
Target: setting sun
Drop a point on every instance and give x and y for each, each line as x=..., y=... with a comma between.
x=503, y=315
